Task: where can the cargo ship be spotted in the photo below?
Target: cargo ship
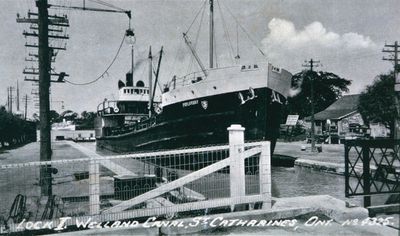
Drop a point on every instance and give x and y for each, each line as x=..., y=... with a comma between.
x=195, y=109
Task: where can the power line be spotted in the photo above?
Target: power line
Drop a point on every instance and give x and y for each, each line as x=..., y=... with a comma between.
x=105, y=72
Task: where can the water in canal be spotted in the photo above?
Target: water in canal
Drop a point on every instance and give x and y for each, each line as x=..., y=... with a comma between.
x=299, y=181
x=294, y=182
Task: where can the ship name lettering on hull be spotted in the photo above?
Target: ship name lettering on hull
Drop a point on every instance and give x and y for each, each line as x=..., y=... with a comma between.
x=190, y=103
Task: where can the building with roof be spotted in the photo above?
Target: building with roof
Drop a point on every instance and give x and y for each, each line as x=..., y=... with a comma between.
x=340, y=119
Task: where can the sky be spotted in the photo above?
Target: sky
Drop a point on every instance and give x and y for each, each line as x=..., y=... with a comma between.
x=347, y=37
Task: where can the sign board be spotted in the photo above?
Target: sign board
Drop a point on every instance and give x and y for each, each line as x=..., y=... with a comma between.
x=292, y=119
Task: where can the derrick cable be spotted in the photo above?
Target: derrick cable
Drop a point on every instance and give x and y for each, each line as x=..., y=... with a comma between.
x=197, y=14
x=244, y=30
x=231, y=51
x=237, y=41
x=105, y=72
x=197, y=37
x=199, y=29
x=215, y=53
x=178, y=52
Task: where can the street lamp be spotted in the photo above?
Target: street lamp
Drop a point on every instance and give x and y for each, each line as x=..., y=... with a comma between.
x=130, y=39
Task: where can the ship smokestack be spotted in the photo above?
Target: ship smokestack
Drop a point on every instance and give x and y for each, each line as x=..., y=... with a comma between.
x=129, y=79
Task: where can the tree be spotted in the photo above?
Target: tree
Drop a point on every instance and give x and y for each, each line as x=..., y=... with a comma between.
x=87, y=120
x=54, y=117
x=84, y=114
x=376, y=102
x=14, y=130
x=328, y=87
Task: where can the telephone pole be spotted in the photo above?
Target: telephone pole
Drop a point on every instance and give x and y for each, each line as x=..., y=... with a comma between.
x=25, y=99
x=10, y=99
x=44, y=86
x=393, y=49
x=311, y=64
x=39, y=24
x=17, y=96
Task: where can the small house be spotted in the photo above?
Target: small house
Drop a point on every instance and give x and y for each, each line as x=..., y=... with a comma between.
x=341, y=119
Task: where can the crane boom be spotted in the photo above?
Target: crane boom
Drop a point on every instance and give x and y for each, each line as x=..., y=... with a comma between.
x=189, y=44
x=128, y=13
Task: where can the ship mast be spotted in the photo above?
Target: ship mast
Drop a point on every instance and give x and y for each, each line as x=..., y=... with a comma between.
x=132, y=65
x=211, y=33
x=150, y=81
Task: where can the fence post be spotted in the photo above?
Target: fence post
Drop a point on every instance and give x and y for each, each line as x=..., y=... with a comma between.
x=265, y=174
x=236, y=148
x=94, y=186
x=346, y=169
x=366, y=173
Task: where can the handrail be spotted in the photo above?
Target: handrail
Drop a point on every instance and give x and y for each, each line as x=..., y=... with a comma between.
x=103, y=103
x=192, y=78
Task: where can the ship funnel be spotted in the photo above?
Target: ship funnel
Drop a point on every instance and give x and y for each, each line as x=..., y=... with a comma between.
x=129, y=79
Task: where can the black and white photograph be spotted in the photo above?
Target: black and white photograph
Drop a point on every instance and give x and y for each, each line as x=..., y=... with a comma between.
x=200, y=117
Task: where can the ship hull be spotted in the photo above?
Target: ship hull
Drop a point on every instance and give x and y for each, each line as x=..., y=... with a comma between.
x=204, y=121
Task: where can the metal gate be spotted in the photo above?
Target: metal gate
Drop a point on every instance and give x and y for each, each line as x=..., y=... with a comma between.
x=372, y=167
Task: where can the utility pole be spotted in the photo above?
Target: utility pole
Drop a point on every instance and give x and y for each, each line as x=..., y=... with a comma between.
x=17, y=96
x=26, y=105
x=311, y=64
x=394, y=50
x=10, y=99
x=39, y=24
x=44, y=86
